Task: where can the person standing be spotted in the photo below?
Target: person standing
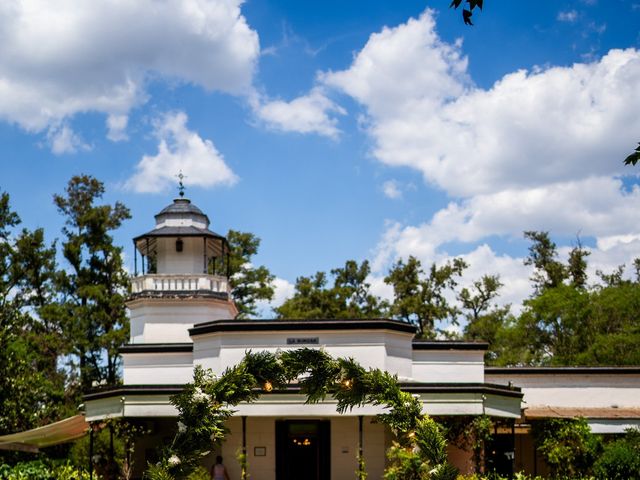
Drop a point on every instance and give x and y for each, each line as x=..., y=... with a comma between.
x=218, y=471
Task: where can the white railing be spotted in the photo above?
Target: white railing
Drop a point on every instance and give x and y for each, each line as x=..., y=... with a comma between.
x=179, y=283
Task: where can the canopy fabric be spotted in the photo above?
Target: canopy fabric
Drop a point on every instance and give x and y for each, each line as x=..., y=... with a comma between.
x=53, y=434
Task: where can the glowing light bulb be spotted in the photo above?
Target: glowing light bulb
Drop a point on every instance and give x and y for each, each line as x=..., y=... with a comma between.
x=267, y=387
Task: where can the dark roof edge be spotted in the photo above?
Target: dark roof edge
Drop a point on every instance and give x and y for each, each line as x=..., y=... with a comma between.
x=481, y=388
x=299, y=324
x=561, y=370
x=106, y=392
x=448, y=345
x=156, y=348
x=173, y=233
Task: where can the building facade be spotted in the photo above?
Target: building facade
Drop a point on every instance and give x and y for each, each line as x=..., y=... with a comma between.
x=182, y=316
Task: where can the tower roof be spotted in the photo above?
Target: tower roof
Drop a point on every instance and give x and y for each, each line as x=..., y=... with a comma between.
x=182, y=208
x=181, y=205
x=182, y=219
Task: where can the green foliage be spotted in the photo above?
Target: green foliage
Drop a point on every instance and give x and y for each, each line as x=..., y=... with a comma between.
x=199, y=473
x=516, y=476
x=566, y=321
x=32, y=388
x=157, y=472
x=484, y=319
x=361, y=472
x=421, y=299
x=203, y=406
x=249, y=283
x=42, y=470
x=95, y=287
x=425, y=459
x=567, y=445
x=549, y=272
x=620, y=459
x=348, y=297
x=471, y=434
x=241, y=457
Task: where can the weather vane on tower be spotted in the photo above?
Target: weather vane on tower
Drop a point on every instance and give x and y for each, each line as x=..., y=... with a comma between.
x=181, y=177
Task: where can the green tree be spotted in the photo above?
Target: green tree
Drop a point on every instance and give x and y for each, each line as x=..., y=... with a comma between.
x=249, y=284
x=620, y=459
x=96, y=285
x=569, y=322
x=549, y=271
x=485, y=319
x=612, y=326
x=349, y=296
x=567, y=445
x=421, y=299
x=31, y=386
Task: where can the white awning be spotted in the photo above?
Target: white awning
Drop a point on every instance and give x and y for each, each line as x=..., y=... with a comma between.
x=53, y=434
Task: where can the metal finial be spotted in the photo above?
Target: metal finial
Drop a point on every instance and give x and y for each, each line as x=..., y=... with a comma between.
x=181, y=177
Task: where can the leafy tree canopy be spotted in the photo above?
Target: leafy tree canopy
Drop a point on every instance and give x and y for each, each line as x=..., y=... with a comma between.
x=249, y=284
x=94, y=289
x=349, y=295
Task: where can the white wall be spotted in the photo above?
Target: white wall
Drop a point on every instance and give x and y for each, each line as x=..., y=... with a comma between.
x=184, y=220
x=368, y=347
x=574, y=390
x=448, y=366
x=174, y=368
x=155, y=320
x=190, y=260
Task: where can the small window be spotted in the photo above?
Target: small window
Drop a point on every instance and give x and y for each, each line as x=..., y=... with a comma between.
x=179, y=245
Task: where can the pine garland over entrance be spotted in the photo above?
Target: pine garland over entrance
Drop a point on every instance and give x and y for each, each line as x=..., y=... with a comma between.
x=418, y=453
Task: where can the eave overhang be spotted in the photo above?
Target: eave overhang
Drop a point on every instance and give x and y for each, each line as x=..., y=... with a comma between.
x=218, y=326
x=437, y=399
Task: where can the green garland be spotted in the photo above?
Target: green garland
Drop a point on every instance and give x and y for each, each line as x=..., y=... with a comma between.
x=204, y=406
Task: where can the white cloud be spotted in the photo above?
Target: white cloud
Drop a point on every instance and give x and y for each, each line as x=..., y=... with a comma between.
x=568, y=16
x=62, y=139
x=180, y=149
x=391, y=189
x=401, y=68
x=529, y=129
x=306, y=114
x=596, y=207
x=117, y=126
x=539, y=150
x=62, y=57
x=283, y=289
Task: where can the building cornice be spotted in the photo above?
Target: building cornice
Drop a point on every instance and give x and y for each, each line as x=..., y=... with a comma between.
x=156, y=348
x=448, y=345
x=218, y=326
x=411, y=387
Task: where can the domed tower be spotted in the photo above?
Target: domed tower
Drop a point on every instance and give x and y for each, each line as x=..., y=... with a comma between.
x=184, y=278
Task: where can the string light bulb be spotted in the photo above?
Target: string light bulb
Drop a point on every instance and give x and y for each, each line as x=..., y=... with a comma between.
x=346, y=383
x=267, y=387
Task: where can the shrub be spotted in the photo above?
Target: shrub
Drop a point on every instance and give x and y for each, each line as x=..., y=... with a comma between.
x=40, y=470
x=568, y=446
x=621, y=458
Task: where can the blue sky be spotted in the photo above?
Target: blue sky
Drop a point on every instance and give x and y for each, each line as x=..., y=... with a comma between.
x=335, y=130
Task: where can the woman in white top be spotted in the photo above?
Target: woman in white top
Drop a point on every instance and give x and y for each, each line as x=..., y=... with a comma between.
x=218, y=472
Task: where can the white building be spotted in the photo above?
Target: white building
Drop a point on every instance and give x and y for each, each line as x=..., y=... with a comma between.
x=182, y=316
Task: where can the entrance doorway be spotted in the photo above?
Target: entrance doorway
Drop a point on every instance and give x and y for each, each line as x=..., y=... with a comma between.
x=303, y=450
